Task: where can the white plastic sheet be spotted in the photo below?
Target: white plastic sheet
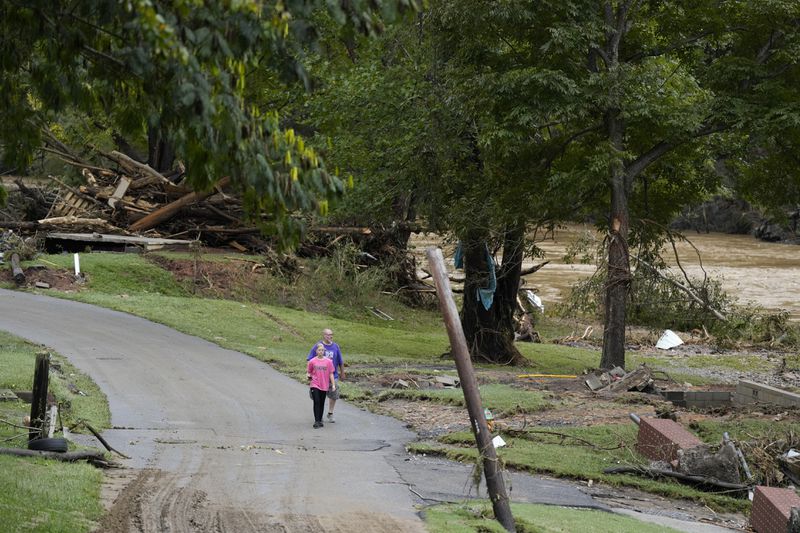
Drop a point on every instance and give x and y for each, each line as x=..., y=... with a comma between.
x=668, y=340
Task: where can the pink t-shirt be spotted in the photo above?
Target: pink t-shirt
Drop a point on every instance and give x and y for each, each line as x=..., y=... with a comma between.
x=320, y=370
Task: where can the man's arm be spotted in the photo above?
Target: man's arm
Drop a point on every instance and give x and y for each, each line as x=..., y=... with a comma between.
x=340, y=362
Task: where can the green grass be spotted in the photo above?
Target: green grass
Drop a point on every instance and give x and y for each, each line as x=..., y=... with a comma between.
x=37, y=494
x=117, y=273
x=478, y=516
x=500, y=399
x=48, y=496
x=17, y=362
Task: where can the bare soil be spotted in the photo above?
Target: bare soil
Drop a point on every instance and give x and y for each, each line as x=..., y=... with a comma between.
x=57, y=279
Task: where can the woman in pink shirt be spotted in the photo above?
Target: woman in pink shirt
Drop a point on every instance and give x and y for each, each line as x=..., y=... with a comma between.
x=320, y=378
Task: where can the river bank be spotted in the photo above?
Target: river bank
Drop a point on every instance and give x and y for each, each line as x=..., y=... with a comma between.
x=754, y=272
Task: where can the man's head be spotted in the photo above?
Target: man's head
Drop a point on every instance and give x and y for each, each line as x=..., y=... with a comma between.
x=327, y=336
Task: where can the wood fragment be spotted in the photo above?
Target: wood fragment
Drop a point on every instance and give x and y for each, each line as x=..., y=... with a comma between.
x=119, y=192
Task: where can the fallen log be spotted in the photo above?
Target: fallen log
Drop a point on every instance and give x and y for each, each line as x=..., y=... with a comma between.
x=68, y=456
x=656, y=472
x=170, y=210
x=133, y=165
x=19, y=274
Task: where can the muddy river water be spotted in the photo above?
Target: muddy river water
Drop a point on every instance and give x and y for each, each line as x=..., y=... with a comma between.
x=766, y=274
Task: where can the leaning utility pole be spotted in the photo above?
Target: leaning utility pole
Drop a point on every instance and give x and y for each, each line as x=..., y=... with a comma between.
x=458, y=343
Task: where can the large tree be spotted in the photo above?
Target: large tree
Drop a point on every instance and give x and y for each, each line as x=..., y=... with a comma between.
x=176, y=69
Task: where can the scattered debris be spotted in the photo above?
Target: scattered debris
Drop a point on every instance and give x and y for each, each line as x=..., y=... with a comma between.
x=378, y=313
x=617, y=380
x=548, y=376
x=447, y=381
x=498, y=442
x=7, y=395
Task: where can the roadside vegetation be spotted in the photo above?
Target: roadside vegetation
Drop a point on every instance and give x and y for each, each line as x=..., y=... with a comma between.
x=275, y=321
x=476, y=516
x=40, y=494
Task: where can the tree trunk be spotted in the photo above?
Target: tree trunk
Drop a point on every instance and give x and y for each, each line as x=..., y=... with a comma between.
x=619, y=268
x=490, y=332
x=160, y=154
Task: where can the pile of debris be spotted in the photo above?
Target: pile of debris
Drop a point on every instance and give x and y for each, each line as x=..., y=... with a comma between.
x=617, y=380
x=133, y=198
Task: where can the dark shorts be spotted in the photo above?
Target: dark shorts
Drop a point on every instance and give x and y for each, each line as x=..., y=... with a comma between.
x=333, y=394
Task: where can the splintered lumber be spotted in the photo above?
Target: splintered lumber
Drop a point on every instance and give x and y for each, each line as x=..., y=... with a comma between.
x=638, y=379
x=119, y=192
x=19, y=274
x=71, y=222
x=170, y=210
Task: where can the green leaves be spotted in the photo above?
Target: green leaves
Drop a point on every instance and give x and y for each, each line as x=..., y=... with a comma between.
x=180, y=67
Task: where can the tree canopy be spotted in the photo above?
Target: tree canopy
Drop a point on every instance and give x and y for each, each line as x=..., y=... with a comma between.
x=179, y=67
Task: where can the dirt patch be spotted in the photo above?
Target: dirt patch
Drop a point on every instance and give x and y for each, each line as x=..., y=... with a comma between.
x=231, y=280
x=55, y=278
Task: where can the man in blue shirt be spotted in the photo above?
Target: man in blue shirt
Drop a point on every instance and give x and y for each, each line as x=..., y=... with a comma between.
x=334, y=353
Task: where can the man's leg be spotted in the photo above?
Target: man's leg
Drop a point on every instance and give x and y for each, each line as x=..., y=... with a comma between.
x=331, y=404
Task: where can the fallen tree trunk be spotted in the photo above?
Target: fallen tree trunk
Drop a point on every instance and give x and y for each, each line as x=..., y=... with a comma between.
x=19, y=274
x=170, y=210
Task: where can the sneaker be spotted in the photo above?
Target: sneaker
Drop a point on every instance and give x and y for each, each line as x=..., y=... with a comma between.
x=330, y=418
x=317, y=425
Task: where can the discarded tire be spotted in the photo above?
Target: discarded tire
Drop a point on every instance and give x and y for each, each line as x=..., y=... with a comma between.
x=49, y=445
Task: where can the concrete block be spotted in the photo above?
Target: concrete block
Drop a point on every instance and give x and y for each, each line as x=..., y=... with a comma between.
x=771, y=509
x=660, y=439
x=750, y=392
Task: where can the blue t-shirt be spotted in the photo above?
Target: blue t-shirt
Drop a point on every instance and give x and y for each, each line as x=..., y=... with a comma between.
x=332, y=352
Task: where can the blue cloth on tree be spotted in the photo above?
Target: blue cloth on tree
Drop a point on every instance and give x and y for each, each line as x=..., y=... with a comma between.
x=485, y=295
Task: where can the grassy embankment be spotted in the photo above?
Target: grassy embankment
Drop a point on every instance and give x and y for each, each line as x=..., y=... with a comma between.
x=39, y=494
x=412, y=343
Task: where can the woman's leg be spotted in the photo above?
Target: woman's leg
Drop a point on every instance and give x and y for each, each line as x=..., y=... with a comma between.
x=319, y=404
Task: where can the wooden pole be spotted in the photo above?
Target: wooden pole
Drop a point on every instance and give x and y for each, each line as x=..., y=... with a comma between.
x=39, y=395
x=458, y=343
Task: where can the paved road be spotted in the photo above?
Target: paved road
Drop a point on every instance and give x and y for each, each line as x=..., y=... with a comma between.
x=224, y=443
